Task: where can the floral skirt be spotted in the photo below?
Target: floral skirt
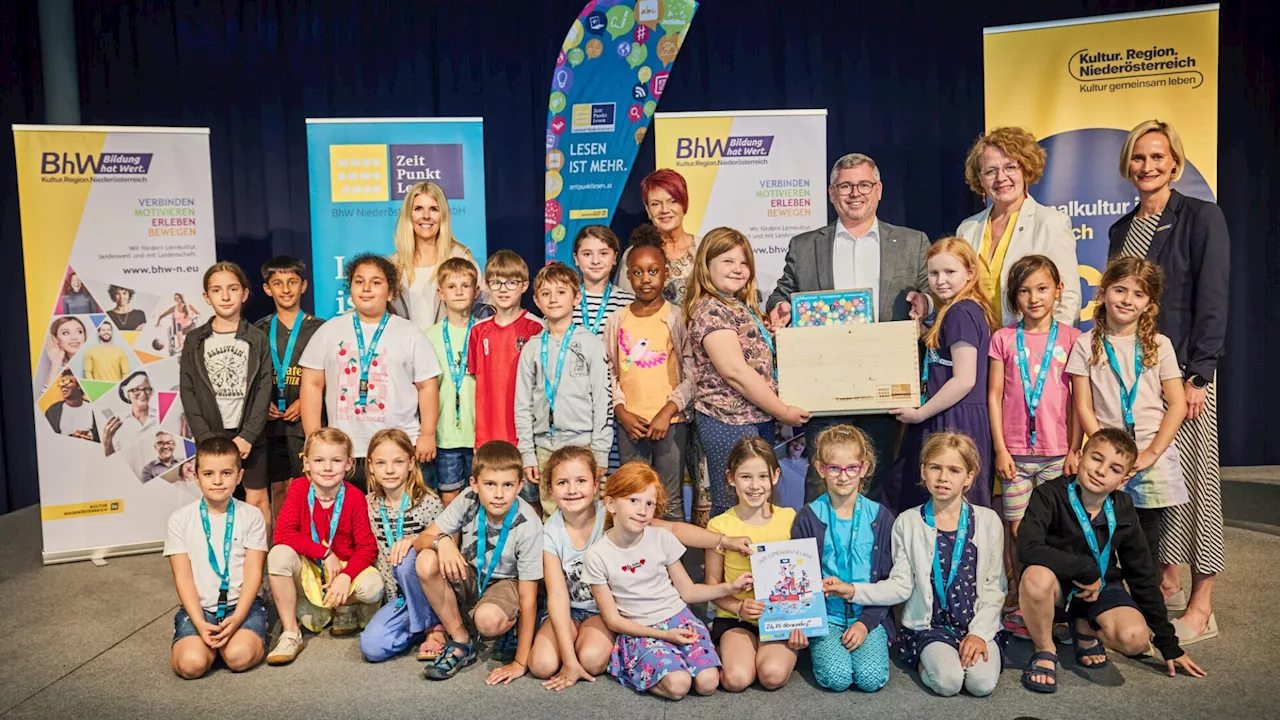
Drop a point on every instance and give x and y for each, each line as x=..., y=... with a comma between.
x=640, y=662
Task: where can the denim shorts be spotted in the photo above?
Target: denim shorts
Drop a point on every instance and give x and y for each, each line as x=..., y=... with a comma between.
x=256, y=621
x=453, y=468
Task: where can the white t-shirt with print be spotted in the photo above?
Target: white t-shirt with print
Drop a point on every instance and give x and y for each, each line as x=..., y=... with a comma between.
x=637, y=576
x=226, y=362
x=555, y=540
x=186, y=537
x=403, y=357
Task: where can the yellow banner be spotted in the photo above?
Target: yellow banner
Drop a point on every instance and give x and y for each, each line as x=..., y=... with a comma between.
x=84, y=509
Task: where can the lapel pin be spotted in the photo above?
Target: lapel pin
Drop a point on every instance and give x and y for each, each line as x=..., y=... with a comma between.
x=1164, y=227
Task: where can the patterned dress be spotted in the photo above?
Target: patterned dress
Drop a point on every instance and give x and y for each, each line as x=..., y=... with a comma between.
x=951, y=625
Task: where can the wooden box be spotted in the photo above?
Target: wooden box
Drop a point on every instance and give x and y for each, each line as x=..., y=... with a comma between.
x=849, y=369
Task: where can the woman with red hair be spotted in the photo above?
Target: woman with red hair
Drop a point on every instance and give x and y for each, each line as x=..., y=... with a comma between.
x=666, y=200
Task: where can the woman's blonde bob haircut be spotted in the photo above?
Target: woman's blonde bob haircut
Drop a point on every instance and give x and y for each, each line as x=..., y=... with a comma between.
x=1150, y=126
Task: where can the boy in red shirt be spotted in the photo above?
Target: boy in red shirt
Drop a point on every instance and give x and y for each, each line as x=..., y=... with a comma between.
x=494, y=350
x=322, y=534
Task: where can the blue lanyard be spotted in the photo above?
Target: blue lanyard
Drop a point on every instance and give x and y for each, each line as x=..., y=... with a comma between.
x=942, y=589
x=594, y=327
x=1108, y=508
x=457, y=370
x=482, y=544
x=764, y=332
x=225, y=572
x=366, y=359
x=282, y=366
x=550, y=386
x=386, y=529
x=1128, y=396
x=931, y=356
x=845, y=561
x=335, y=514
x=1032, y=395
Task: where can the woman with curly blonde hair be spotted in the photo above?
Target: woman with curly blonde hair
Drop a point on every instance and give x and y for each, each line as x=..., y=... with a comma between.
x=1000, y=166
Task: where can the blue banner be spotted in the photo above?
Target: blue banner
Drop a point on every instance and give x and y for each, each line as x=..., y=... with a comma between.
x=609, y=77
x=359, y=171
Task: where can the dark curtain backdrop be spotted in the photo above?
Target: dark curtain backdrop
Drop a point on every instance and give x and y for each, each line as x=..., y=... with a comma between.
x=902, y=83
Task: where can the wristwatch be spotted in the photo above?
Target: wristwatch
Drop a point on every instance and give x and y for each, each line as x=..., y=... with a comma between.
x=1197, y=381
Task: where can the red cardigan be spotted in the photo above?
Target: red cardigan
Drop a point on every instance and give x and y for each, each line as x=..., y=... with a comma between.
x=353, y=543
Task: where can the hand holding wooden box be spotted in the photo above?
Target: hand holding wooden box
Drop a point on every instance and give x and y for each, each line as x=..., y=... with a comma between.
x=850, y=369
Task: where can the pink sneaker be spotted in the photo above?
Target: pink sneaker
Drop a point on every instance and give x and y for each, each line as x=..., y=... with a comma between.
x=1014, y=624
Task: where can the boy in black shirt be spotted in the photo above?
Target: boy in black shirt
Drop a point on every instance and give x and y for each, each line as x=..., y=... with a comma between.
x=1080, y=542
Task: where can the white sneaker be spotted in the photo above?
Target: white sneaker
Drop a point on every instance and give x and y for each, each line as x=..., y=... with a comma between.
x=286, y=649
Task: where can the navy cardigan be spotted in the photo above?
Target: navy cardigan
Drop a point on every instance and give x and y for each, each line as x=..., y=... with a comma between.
x=808, y=525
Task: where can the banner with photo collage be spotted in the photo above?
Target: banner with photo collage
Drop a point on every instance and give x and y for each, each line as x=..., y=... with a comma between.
x=1080, y=85
x=117, y=230
x=359, y=170
x=609, y=77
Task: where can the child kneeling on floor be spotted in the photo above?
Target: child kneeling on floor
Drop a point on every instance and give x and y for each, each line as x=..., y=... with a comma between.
x=1080, y=542
x=216, y=548
x=322, y=565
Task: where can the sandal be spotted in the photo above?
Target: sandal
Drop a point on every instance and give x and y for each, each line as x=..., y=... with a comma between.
x=504, y=649
x=433, y=645
x=1033, y=669
x=449, y=663
x=1094, y=651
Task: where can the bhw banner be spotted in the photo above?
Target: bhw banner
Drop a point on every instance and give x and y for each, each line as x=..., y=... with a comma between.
x=1081, y=85
x=763, y=173
x=609, y=76
x=117, y=230
x=359, y=171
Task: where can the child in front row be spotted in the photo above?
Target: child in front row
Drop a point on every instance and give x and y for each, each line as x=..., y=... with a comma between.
x=482, y=556
x=322, y=565
x=645, y=344
x=642, y=590
x=562, y=386
x=573, y=643
x=855, y=545
x=1080, y=543
x=753, y=471
x=458, y=285
x=948, y=567
x=1034, y=431
x=216, y=549
x=400, y=508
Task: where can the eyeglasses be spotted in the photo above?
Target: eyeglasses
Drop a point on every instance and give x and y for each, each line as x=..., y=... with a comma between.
x=864, y=188
x=139, y=391
x=1010, y=170
x=496, y=285
x=834, y=471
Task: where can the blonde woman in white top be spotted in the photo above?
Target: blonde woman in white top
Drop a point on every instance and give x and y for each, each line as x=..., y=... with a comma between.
x=424, y=239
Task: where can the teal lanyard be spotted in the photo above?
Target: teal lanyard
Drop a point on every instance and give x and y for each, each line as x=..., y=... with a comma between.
x=335, y=514
x=281, y=366
x=764, y=332
x=942, y=589
x=552, y=386
x=482, y=544
x=367, y=358
x=845, y=561
x=386, y=530
x=1128, y=395
x=594, y=327
x=225, y=573
x=1032, y=395
x=457, y=371
x=931, y=356
x=1103, y=558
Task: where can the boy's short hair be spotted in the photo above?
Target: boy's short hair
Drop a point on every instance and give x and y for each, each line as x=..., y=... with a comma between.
x=217, y=447
x=283, y=264
x=457, y=266
x=496, y=456
x=226, y=266
x=506, y=265
x=1119, y=441
x=557, y=272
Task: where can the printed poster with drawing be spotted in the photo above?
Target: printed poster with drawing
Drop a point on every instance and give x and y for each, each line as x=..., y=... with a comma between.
x=788, y=580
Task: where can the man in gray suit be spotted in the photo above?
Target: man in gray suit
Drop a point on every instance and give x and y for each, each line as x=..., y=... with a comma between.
x=857, y=250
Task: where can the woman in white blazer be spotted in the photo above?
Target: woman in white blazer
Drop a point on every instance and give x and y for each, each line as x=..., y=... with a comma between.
x=1000, y=166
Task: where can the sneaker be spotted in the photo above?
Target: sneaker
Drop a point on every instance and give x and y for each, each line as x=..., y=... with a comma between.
x=504, y=648
x=1016, y=626
x=345, y=621
x=286, y=649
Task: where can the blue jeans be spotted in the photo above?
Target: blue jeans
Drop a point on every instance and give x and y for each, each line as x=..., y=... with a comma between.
x=718, y=440
x=667, y=458
x=453, y=468
x=256, y=621
x=395, y=627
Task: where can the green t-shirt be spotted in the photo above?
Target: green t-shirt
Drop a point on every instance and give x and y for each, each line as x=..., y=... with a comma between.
x=455, y=429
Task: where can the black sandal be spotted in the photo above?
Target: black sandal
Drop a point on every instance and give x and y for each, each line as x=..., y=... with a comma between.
x=448, y=663
x=1033, y=669
x=1096, y=651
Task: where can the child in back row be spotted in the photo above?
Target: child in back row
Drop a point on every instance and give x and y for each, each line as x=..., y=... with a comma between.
x=642, y=590
x=562, y=386
x=855, y=545
x=322, y=564
x=216, y=548
x=948, y=567
x=457, y=284
x=645, y=344
x=573, y=638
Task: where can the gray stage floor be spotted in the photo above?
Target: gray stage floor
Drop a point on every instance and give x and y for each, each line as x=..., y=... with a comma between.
x=78, y=641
